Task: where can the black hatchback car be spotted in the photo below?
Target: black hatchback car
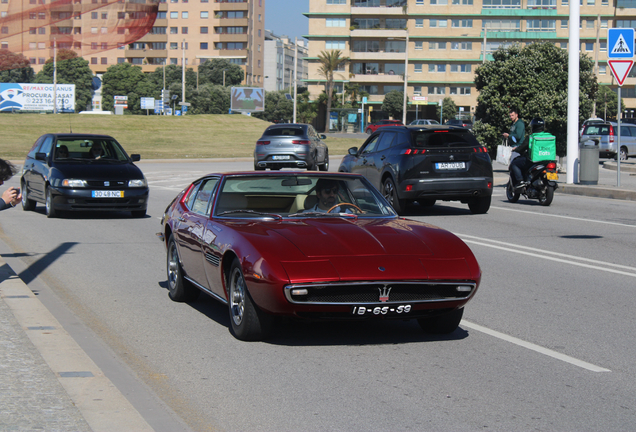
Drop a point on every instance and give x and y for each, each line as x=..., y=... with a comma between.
x=79, y=172
x=425, y=164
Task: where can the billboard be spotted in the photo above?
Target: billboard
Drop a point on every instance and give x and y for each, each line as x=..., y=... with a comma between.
x=36, y=97
x=247, y=99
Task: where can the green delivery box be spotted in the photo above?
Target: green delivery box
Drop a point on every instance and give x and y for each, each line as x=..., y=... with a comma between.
x=542, y=147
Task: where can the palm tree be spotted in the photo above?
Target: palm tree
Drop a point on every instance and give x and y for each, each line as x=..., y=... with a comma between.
x=329, y=62
x=353, y=91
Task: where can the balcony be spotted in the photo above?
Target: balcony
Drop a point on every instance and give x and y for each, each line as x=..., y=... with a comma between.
x=231, y=37
x=378, y=33
x=382, y=78
x=379, y=55
x=379, y=11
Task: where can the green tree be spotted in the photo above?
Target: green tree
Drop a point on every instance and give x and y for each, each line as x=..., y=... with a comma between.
x=278, y=107
x=306, y=111
x=448, y=110
x=534, y=79
x=329, y=63
x=124, y=79
x=394, y=104
x=353, y=92
x=211, y=71
x=15, y=68
x=210, y=99
x=174, y=76
x=71, y=69
x=607, y=103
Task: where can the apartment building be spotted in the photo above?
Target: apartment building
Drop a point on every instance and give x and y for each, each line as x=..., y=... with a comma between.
x=279, y=62
x=107, y=32
x=440, y=43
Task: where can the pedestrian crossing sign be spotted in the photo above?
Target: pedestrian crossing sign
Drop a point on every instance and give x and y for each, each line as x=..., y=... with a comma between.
x=620, y=43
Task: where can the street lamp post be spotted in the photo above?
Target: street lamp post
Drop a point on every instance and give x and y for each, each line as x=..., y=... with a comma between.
x=183, y=81
x=406, y=69
x=295, y=75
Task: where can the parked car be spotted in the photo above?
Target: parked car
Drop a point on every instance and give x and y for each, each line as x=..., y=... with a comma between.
x=425, y=164
x=462, y=123
x=424, y=122
x=372, y=127
x=606, y=135
x=267, y=244
x=590, y=121
x=291, y=145
x=82, y=172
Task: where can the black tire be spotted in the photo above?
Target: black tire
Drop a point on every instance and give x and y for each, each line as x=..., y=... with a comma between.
x=369, y=131
x=546, y=200
x=314, y=164
x=512, y=196
x=390, y=193
x=479, y=205
x=442, y=324
x=27, y=204
x=179, y=289
x=49, y=208
x=325, y=165
x=623, y=153
x=247, y=322
x=426, y=202
x=138, y=213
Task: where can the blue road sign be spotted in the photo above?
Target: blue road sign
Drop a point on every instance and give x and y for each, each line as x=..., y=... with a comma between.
x=620, y=43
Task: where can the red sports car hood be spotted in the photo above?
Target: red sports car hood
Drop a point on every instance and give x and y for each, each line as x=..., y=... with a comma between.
x=347, y=249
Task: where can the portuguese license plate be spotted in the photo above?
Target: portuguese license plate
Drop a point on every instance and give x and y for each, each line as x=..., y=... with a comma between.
x=381, y=310
x=107, y=194
x=450, y=165
x=286, y=157
x=552, y=176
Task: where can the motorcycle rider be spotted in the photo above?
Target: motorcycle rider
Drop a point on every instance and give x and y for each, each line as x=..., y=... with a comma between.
x=520, y=165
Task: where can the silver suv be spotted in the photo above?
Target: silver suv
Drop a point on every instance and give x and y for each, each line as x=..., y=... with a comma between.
x=291, y=145
x=606, y=135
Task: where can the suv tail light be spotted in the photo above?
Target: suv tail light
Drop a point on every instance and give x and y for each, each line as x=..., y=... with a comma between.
x=611, y=134
x=304, y=142
x=259, y=142
x=412, y=151
x=480, y=149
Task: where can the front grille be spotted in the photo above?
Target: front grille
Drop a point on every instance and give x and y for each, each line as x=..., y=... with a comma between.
x=366, y=293
x=111, y=184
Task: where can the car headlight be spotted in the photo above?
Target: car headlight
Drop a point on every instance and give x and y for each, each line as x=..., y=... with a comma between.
x=74, y=183
x=137, y=183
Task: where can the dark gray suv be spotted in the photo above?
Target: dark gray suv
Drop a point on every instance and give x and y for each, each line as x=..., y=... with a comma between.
x=425, y=164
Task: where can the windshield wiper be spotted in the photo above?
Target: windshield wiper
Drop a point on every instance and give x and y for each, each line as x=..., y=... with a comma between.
x=323, y=214
x=272, y=215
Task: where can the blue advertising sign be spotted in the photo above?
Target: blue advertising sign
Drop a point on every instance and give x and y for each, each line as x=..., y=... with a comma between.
x=620, y=43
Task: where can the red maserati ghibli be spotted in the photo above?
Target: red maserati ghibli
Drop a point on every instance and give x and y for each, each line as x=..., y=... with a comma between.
x=311, y=245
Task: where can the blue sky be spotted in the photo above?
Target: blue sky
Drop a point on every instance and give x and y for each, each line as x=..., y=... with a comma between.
x=285, y=17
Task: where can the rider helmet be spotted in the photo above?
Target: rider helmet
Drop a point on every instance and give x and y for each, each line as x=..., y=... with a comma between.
x=537, y=125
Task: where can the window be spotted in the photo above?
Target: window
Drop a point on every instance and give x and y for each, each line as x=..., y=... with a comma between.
x=465, y=46
x=436, y=90
x=104, y=15
x=93, y=60
x=603, y=23
x=439, y=2
x=174, y=61
x=461, y=23
x=184, y=15
x=417, y=68
x=589, y=24
x=174, y=45
x=463, y=68
x=184, y=30
x=564, y=24
x=419, y=2
x=460, y=90
x=335, y=45
x=174, y=15
x=602, y=70
x=205, y=14
x=417, y=91
x=418, y=45
x=432, y=68
x=502, y=25
x=204, y=30
x=93, y=15
x=103, y=60
x=336, y=22
x=542, y=4
x=203, y=46
x=337, y=2
x=419, y=23
x=590, y=2
x=463, y=2
x=603, y=47
x=437, y=45
x=438, y=23
x=589, y=46
x=541, y=25
x=501, y=4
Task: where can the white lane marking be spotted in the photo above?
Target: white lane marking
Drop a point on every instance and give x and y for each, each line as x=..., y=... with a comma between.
x=543, y=251
x=534, y=347
x=564, y=217
x=542, y=256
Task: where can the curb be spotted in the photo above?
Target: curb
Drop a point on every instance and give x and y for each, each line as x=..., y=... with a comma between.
x=101, y=404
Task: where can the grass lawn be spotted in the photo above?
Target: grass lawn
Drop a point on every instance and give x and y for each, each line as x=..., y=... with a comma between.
x=154, y=137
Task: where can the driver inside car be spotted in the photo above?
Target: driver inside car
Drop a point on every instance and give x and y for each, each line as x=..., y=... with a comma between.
x=327, y=194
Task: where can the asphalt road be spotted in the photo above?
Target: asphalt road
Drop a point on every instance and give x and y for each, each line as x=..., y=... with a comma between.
x=548, y=343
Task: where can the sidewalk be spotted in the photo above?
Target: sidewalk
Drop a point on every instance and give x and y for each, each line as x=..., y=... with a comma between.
x=47, y=382
x=607, y=181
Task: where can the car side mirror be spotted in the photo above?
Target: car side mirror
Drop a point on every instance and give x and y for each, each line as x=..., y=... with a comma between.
x=353, y=151
x=323, y=136
x=40, y=157
x=135, y=157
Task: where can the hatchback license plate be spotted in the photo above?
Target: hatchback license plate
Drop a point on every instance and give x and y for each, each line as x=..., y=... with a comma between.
x=280, y=157
x=381, y=310
x=107, y=194
x=450, y=165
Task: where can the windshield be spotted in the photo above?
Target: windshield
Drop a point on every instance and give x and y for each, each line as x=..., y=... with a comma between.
x=89, y=149
x=299, y=196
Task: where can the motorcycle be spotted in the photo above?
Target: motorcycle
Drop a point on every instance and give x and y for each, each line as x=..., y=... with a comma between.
x=542, y=183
